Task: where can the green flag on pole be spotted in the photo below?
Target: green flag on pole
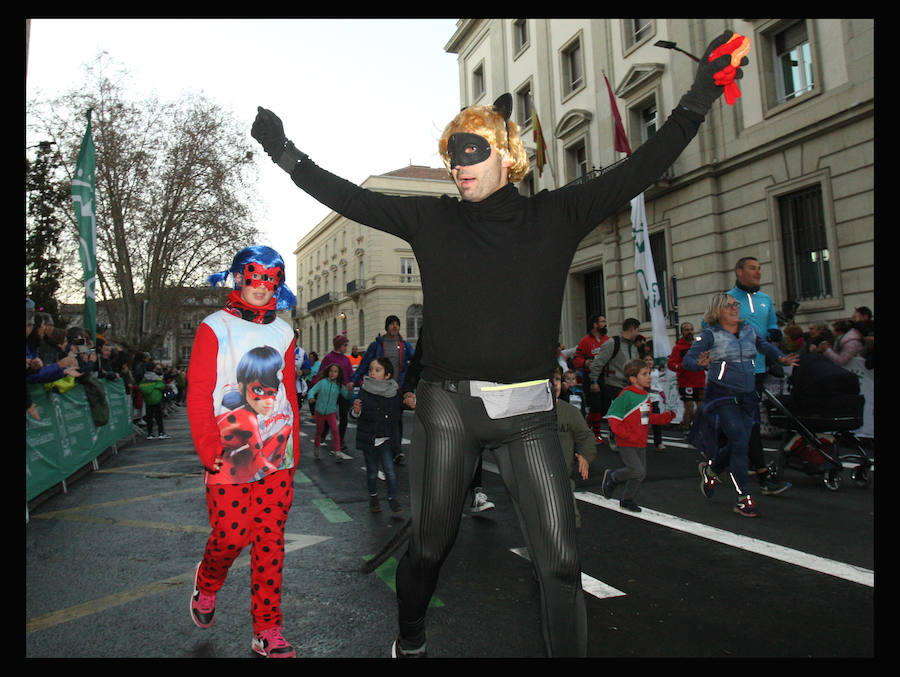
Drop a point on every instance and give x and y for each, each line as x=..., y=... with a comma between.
x=83, y=199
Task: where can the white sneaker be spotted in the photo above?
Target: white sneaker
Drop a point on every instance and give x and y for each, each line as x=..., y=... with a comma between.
x=341, y=456
x=481, y=503
x=162, y=436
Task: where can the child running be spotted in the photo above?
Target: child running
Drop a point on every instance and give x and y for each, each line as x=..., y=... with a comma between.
x=629, y=418
x=576, y=437
x=242, y=406
x=378, y=412
x=324, y=397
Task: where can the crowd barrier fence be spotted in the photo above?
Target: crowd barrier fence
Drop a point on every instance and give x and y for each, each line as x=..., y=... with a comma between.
x=65, y=439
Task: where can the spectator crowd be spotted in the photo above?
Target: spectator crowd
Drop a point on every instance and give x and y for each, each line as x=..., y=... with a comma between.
x=61, y=359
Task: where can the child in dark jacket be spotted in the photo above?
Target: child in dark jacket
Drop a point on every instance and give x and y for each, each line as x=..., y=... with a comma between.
x=378, y=410
x=630, y=420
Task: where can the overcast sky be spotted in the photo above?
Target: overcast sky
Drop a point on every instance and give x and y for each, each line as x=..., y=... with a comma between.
x=360, y=97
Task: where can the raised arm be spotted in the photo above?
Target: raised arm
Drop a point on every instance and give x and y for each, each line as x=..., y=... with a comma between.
x=624, y=180
x=391, y=214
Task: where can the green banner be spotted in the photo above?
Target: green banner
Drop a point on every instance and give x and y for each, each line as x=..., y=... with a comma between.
x=83, y=199
x=64, y=438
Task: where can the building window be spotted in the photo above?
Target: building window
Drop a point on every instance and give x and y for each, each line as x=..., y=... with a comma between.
x=640, y=29
x=807, y=261
x=523, y=106
x=414, y=315
x=576, y=160
x=594, y=293
x=478, y=82
x=520, y=34
x=788, y=70
x=793, y=62
x=407, y=270
x=648, y=121
x=526, y=185
x=636, y=32
x=573, y=66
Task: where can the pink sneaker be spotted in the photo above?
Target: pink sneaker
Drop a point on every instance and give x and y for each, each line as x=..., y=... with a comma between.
x=203, y=606
x=271, y=644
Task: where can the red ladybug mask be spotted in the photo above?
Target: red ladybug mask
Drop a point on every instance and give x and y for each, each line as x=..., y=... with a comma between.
x=255, y=275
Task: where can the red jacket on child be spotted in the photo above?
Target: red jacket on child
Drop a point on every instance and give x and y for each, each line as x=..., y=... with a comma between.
x=624, y=418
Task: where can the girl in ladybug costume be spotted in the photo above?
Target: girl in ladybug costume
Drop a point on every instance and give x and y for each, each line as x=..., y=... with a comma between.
x=242, y=407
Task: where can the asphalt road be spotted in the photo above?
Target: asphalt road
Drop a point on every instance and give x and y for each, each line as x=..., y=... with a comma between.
x=109, y=566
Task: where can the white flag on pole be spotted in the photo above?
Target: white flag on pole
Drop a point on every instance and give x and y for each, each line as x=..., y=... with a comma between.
x=646, y=275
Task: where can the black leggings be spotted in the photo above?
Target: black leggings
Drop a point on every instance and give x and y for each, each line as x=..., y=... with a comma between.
x=451, y=429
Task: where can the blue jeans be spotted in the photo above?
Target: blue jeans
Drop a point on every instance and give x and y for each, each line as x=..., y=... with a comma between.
x=381, y=455
x=736, y=424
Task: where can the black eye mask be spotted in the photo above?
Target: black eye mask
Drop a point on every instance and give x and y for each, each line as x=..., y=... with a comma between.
x=467, y=149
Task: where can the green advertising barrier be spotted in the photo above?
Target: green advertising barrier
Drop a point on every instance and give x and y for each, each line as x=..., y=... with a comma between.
x=65, y=438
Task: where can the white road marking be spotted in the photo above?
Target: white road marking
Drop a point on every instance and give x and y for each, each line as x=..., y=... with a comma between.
x=589, y=584
x=847, y=572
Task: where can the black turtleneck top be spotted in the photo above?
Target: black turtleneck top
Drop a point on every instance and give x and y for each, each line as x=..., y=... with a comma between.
x=494, y=272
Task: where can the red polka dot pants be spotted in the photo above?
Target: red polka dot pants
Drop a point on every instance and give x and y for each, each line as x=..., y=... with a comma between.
x=249, y=514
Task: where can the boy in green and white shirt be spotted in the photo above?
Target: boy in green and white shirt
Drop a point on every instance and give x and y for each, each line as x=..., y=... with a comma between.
x=630, y=419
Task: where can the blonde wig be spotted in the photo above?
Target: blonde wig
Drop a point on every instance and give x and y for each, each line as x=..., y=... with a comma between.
x=716, y=303
x=488, y=122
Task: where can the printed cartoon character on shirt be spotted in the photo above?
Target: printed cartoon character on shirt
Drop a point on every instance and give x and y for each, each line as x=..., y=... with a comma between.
x=255, y=432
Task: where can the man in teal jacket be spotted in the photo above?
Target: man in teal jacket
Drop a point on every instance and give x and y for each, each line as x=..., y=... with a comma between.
x=757, y=310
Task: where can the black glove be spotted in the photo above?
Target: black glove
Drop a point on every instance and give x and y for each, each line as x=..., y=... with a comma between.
x=704, y=92
x=269, y=131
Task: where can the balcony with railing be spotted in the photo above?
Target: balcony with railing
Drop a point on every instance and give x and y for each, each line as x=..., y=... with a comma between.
x=321, y=301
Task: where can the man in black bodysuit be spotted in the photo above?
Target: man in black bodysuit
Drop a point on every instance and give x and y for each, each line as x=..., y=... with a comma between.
x=485, y=257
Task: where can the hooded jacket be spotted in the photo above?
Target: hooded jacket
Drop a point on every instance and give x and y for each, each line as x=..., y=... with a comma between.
x=152, y=387
x=732, y=365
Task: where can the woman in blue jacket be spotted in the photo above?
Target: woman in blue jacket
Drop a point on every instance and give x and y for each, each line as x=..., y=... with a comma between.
x=727, y=350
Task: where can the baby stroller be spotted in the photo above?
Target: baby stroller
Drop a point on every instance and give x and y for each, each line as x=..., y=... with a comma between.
x=823, y=408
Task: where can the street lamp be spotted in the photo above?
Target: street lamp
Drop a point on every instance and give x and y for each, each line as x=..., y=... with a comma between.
x=666, y=44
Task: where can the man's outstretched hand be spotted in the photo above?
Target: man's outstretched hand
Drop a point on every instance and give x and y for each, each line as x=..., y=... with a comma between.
x=269, y=131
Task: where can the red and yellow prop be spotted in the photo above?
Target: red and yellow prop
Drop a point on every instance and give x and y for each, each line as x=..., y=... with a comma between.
x=738, y=47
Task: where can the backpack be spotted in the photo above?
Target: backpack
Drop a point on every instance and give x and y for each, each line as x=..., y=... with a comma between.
x=602, y=378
